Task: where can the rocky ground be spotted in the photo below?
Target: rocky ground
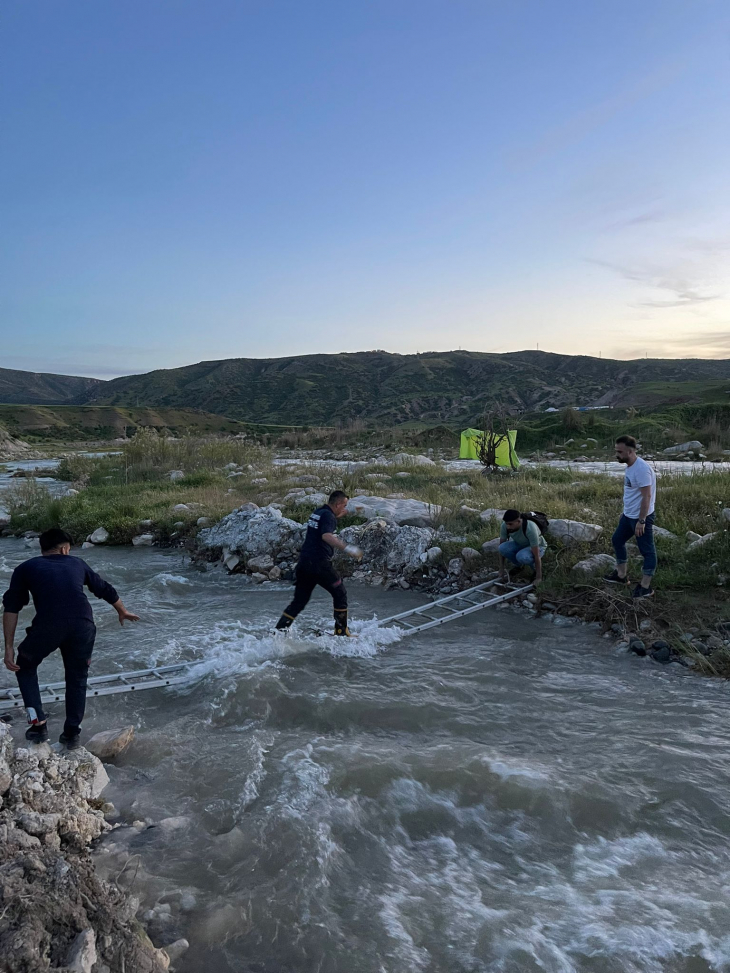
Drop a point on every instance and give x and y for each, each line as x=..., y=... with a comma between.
x=56, y=914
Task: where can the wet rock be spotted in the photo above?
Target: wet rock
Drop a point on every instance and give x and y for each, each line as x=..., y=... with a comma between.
x=89, y=773
x=99, y=536
x=637, y=646
x=143, y=540
x=596, y=564
x=663, y=655
x=110, y=743
x=262, y=563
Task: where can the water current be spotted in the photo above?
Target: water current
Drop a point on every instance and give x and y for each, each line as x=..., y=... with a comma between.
x=493, y=795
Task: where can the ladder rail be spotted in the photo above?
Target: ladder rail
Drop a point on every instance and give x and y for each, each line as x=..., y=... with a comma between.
x=403, y=619
x=439, y=601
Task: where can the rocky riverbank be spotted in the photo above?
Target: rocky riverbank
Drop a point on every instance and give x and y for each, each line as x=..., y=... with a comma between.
x=56, y=914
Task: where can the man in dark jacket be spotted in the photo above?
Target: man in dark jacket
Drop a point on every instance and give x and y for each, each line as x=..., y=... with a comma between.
x=63, y=620
x=315, y=563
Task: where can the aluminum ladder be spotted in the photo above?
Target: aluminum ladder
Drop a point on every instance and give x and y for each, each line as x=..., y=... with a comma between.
x=456, y=606
x=120, y=682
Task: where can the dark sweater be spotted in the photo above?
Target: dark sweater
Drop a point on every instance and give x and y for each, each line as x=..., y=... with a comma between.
x=56, y=584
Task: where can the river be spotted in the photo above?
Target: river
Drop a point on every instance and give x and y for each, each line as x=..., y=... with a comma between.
x=492, y=795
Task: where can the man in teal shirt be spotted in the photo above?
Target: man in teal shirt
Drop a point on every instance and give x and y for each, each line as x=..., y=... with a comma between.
x=522, y=544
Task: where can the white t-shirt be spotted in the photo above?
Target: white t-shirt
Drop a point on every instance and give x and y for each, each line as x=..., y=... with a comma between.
x=640, y=474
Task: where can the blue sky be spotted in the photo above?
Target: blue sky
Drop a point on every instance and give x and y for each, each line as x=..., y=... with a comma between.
x=188, y=180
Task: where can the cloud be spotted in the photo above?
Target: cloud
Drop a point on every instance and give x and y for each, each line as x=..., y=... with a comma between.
x=691, y=344
x=685, y=293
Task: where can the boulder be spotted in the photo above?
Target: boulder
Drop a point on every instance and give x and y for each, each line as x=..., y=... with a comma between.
x=491, y=513
x=86, y=545
x=90, y=776
x=408, y=544
x=574, y=531
x=456, y=566
x=251, y=531
x=414, y=513
x=181, y=508
x=81, y=956
x=692, y=536
x=470, y=555
x=683, y=448
x=666, y=534
x=408, y=459
x=204, y=521
x=100, y=536
x=701, y=541
x=231, y=561
x=312, y=500
x=110, y=743
x=725, y=514
x=491, y=547
x=176, y=475
x=262, y=562
x=595, y=564
x=431, y=555
x=6, y=756
x=143, y=540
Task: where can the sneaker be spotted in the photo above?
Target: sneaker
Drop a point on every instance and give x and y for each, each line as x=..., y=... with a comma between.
x=640, y=592
x=71, y=743
x=615, y=578
x=37, y=733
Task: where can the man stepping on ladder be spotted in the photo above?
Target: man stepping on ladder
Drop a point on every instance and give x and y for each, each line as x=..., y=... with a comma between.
x=315, y=564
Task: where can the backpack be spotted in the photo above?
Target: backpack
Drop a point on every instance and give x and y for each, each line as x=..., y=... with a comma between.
x=538, y=518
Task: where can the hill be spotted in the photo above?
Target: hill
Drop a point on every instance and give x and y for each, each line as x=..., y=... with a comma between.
x=68, y=423
x=380, y=388
x=383, y=388
x=39, y=388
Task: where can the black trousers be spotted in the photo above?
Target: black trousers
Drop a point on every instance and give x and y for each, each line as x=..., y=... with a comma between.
x=307, y=579
x=75, y=638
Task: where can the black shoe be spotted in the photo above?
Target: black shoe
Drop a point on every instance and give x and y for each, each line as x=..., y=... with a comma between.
x=37, y=733
x=640, y=592
x=615, y=578
x=284, y=623
x=70, y=742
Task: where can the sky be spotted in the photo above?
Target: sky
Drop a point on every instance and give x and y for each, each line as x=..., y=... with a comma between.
x=187, y=180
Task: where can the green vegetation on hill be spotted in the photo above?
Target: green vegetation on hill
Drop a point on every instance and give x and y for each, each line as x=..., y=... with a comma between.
x=37, y=388
x=69, y=423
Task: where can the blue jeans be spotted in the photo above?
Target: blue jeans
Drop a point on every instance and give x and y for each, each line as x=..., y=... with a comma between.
x=625, y=531
x=517, y=555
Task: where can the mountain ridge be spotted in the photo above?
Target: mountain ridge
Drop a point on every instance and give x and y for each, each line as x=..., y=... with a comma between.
x=377, y=386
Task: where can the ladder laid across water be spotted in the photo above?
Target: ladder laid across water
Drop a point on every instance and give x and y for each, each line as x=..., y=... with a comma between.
x=416, y=620
x=456, y=606
x=120, y=682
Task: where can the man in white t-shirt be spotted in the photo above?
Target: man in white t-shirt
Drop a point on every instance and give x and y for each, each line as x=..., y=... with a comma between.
x=637, y=519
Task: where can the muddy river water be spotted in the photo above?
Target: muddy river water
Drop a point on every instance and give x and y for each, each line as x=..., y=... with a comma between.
x=493, y=795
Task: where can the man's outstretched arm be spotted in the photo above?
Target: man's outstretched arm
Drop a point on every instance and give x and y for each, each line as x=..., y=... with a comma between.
x=102, y=589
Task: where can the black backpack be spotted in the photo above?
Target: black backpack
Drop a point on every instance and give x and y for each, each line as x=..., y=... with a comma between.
x=538, y=518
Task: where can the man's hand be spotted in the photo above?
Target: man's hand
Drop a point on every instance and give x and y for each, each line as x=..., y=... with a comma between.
x=640, y=528
x=354, y=552
x=10, y=660
x=124, y=615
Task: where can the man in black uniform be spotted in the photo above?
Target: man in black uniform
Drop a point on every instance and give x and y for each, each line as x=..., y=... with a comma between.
x=315, y=563
x=63, y=620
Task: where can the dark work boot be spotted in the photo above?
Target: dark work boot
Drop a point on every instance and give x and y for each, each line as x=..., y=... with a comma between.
x=341, y=623
x=37, y=733
x=71, y=742
x=284, y=622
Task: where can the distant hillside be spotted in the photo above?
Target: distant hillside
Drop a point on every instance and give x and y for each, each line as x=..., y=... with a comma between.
x=384, y=388
x=37, y=388
x=380, y=388
x=68, y=423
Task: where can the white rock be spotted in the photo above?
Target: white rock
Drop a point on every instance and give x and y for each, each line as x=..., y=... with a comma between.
x=456, y=566
x=595, y=564
x=470, y=555
x=408, y=545
x=259, y=481
x=232, y=561
x=409, y=511
x=666, y=534
x=431, y=555
x=463, y=487
x=701, y=541
x=312, y=500
x=725, y=513
x=204, y=521
x=491, y=513
x=100, y=536
x=70, y=492
x=177, y=475
x=86, y=545
x=175, y=950
x=490, y=547
x=81, y=956
x=90, y=775
x=234, y=475
x=408, y=459
x=110, y=743
x=683, y=448
x=692, y=536
x=143, y=540
x=574, y=531
x=181, y=508
x=262, y=562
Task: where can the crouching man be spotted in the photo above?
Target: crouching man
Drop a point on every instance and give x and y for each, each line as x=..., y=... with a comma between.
x=522, y=543
x=63, y=620
x=315, y=564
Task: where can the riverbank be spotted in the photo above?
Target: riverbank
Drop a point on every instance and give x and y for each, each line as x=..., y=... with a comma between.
x=57, y=914
x=166, y=492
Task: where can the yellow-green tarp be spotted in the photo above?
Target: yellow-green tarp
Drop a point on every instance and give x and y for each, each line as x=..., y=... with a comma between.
x=469, y=447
